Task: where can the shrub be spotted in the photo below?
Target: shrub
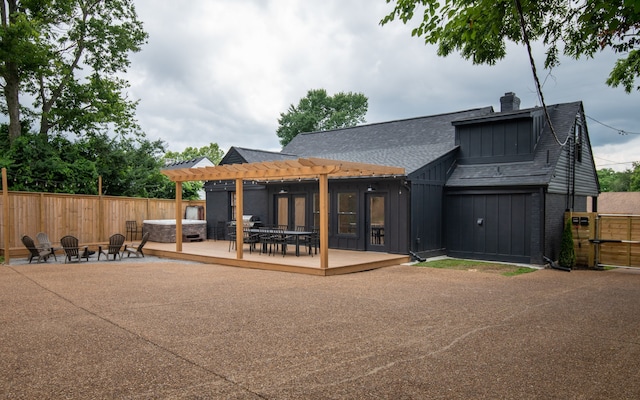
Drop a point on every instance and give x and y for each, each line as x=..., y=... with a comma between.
x=567, y=252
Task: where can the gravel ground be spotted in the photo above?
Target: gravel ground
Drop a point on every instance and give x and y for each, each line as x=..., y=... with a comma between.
x=155, y=329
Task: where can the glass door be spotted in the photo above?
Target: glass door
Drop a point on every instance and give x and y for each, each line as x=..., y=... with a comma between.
x=291, y=211
x=376, y=222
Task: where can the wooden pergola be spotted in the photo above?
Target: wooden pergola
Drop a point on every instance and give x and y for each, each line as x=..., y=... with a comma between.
x=293, y=170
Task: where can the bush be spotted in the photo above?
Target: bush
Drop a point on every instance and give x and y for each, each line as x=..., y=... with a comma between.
x=567, y=252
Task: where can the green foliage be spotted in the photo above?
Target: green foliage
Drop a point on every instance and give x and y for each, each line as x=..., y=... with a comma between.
x=479, y=29
x=55, y=164
x=625, y=181
x=191, y=190
x=319, y=111
x=68, y=56
x=567, y=257
x=212, y=152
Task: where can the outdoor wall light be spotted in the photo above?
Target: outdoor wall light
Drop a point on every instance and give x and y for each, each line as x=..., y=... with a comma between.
x=283, y=190
x=370, y=189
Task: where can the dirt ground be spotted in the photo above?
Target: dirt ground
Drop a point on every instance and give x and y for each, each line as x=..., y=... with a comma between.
x=171, y=330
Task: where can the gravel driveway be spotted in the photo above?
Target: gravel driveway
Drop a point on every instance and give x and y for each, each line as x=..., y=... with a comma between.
x=171, y=330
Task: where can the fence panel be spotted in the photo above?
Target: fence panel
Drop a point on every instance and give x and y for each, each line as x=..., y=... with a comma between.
x=90, y=218
x=606, y=239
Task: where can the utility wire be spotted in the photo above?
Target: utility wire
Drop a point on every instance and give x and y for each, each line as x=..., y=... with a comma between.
x=620, y=131
x=525, y=37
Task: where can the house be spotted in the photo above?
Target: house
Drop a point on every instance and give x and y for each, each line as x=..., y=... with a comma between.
x=197, y=162
x=478, y=183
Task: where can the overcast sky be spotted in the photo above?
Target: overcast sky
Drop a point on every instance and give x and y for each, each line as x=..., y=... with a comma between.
x=222, y=71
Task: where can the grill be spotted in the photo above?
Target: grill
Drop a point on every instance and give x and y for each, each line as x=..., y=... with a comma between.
x=249, y=221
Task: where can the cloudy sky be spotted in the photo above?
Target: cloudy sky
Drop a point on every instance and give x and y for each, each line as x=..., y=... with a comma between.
x=222, y=71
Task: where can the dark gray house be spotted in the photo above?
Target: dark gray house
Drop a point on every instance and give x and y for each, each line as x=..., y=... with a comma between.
x=477, y=184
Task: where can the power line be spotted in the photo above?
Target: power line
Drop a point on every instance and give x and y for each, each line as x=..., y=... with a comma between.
x=620, y=131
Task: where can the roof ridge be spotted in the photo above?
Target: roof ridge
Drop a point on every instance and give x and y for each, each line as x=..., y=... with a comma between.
x=400, y=120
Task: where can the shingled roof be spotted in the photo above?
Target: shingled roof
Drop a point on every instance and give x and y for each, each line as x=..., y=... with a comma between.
x=238, y=155
x=408, y=143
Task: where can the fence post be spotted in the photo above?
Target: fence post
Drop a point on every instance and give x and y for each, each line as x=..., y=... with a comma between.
x=5, y=217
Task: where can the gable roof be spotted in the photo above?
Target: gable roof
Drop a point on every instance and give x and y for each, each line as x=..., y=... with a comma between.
x=536, y=172
x=193, y=163
x=408, y=143
x=240, y=155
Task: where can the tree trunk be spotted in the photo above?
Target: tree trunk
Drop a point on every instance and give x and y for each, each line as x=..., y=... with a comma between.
x=11, y=75
x=11, y=94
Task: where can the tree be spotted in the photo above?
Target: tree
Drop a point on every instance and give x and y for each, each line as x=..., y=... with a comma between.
x=67, y=56
x=191, y=190
x=567, y=258
x=480, y=28
x=318, y=111
x=612, y=181
x=212, y=152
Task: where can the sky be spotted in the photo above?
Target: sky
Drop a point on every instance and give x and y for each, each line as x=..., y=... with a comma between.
x=222, y=71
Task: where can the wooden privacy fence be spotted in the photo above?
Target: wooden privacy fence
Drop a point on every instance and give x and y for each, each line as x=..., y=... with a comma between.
x=606, y=239
x=92, y=219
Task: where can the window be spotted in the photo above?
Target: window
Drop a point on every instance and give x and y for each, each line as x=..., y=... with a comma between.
x=578, y=139
x=347, y=217
x=232, y=206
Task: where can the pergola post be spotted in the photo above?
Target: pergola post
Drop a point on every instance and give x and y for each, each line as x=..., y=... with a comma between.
x=178, y=216
x=324, y=221
x=239, y=221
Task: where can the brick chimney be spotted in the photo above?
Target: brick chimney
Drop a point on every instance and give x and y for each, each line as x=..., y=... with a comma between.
x=509, y=102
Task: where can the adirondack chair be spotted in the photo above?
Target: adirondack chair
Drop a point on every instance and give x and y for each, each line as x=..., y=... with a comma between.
x=136, y=249
x=41, y=254
x=72, y=250
x=115, y=244
x=44, y=243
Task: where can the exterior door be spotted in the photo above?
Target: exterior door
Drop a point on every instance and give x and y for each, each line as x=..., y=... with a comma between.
x=490, y=226
x=375, y=225
x=291, y=210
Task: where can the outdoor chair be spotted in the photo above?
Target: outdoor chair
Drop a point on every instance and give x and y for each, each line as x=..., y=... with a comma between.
x=250, y=238
x=132, y=230
x=136, y=249
x=281, y=240
x=231, y=236
x=41, y=254
x=115, y=244
x=45, y=244
x=72, y=250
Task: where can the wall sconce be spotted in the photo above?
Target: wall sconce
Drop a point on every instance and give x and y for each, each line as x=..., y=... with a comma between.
x=371, y=189
x=283, y=190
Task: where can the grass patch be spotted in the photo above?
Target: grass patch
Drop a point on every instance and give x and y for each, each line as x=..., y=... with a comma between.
x=477, y=266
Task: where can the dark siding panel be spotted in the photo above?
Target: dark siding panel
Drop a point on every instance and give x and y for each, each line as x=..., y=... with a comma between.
x=487, y=141
x=499, y=137
x=497, y=141
x=505, y=233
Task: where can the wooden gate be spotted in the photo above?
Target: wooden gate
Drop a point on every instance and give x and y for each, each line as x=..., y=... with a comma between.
x=606, y=239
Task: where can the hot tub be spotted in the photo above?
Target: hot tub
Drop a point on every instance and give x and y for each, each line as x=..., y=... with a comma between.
x=164, y=230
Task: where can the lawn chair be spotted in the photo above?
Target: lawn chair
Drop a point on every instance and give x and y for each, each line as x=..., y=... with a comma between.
x=45, y=244
x=115, y=244
x=42, y=254
x=136, y=249
x=72, y=250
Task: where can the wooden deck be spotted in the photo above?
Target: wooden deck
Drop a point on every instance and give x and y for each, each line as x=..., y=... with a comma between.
x=217, y=252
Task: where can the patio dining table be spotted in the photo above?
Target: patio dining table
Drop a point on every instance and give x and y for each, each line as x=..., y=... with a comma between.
x=296, y=234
